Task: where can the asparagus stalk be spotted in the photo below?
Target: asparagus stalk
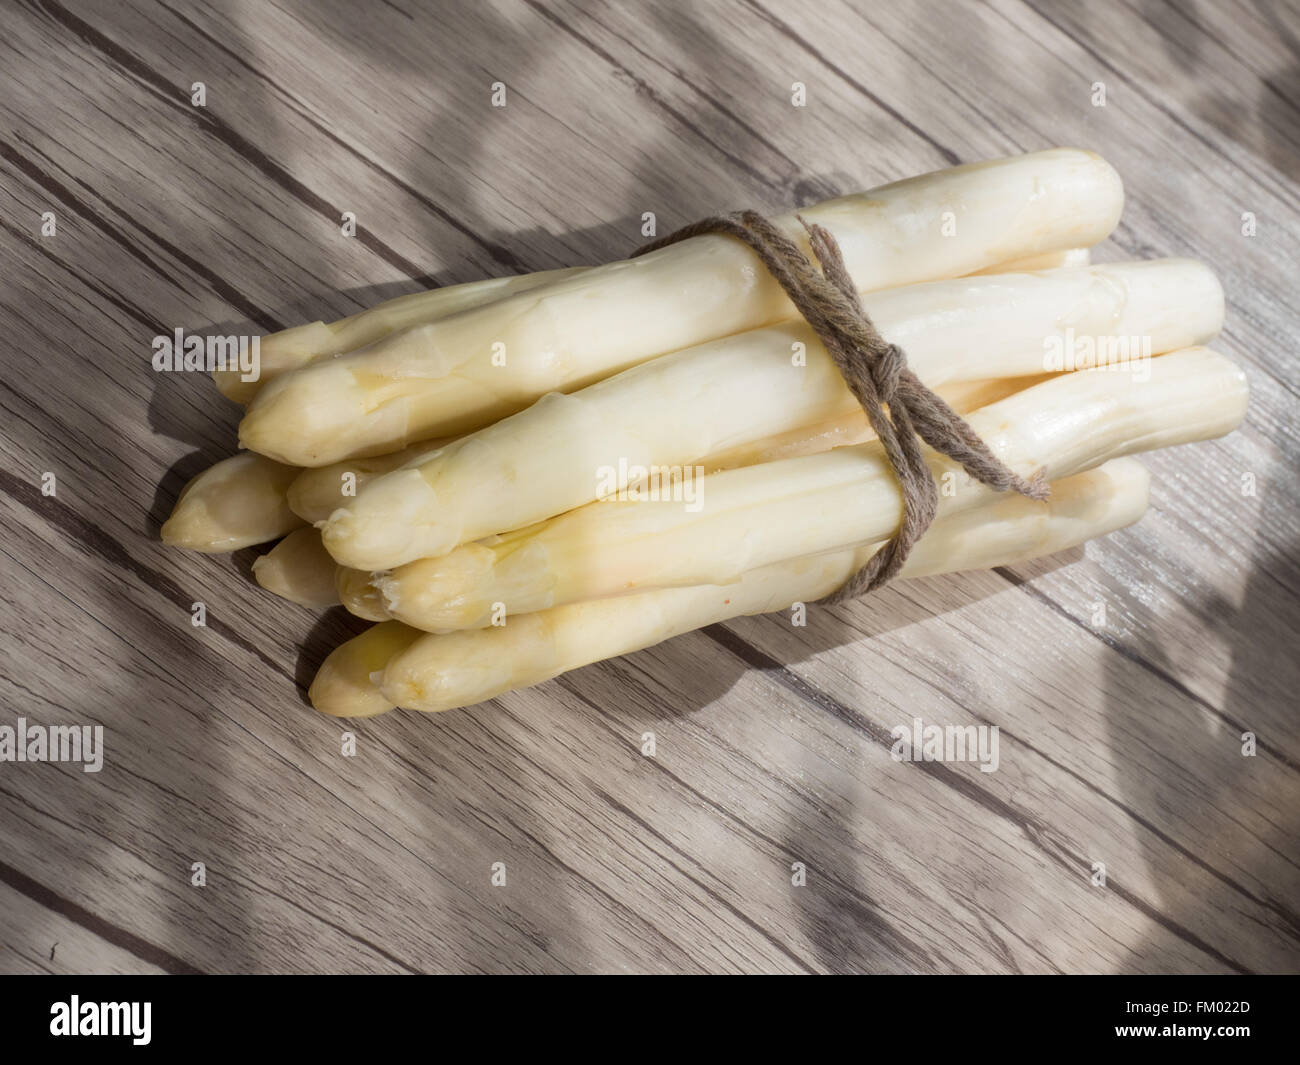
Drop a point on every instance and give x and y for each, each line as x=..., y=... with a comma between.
x=359, y=590
x=678, y=409
x=463, y=372
x=757, y=515
x=291, y=348
x=236, y=503
x=439, y=672
x=299, y=569
x=294, y=347
x=316, y=493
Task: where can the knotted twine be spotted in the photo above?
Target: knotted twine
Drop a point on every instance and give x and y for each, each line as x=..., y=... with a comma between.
x=900, y=409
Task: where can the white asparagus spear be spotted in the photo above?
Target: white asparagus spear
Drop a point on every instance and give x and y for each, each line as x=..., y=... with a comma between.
x=317, y=492
x=360, y=594
x=236, y=503
x=297, y=346
x=434, y=673
x=1012, y=529
x=463, y=372
x=299, y=569
x=294, y=347
x=757, y=515
x=314, y=494
x=567, y=450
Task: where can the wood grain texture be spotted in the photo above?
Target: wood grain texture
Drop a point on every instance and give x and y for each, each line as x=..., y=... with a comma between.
x=1121, y=739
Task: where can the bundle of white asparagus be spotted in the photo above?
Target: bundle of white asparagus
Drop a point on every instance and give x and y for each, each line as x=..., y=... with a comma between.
x=519, y=477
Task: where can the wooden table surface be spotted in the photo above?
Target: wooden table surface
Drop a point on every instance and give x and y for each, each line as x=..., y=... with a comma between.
x=1121, y=736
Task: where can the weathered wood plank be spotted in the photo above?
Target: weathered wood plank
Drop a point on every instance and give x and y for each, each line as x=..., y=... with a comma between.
x=35, y=938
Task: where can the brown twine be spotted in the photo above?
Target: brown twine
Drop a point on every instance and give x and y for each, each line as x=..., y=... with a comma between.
x=877, y=375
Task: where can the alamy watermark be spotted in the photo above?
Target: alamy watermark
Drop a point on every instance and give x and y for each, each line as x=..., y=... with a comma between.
x=74, y=1017
x=53, y=743
x=177, y=353
x=1067, y=352
x=651, y=484
x=920, y=742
